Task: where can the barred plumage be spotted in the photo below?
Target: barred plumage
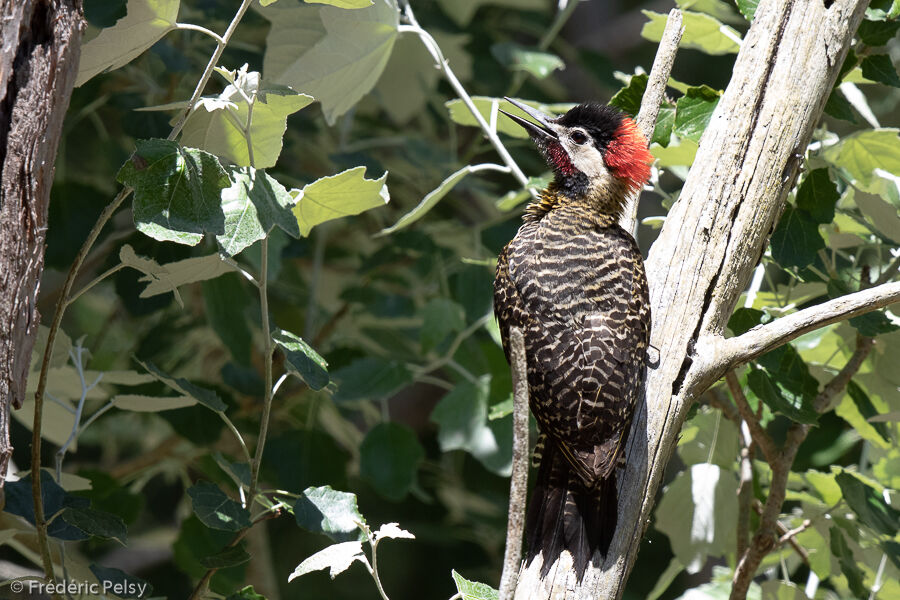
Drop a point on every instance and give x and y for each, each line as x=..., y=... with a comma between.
x=573, y=281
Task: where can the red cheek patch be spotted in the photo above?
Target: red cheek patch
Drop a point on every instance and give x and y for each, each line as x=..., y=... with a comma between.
x=628, y=157
x=560, y=159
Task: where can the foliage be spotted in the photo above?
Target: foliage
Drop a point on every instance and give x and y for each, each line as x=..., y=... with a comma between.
x=263, y=221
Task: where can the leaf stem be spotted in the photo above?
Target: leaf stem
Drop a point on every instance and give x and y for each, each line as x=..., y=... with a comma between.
x=267, y=360
x=97, y=280
x=210, y=66
x=191, y=27
x=40, y=522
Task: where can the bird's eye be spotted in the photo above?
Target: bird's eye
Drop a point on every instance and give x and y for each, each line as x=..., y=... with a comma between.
x=579, y=137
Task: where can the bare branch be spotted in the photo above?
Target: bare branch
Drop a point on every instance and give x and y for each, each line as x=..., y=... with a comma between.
x=653, y=97
x=834, y=387
x=757, y=433
x=764, y=540
x=518, y=485
x=724, y=354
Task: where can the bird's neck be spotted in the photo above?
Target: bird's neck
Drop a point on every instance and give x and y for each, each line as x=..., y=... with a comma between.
x=604, y=203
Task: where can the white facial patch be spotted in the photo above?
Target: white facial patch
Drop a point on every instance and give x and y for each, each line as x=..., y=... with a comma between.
x=585, y=157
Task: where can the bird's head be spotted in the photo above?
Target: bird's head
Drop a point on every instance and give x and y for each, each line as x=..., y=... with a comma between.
x=594, y=149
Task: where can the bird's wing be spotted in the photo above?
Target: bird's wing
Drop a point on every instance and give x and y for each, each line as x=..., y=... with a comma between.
x=587, y=339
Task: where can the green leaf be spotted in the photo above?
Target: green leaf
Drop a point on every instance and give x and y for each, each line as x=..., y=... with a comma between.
x=333, y=54
x=146, y=22
x=247, y=592
x=442, y=317
x=873, y=323
x=459, y=113
x=390, y=456
x=410, y=79
x=862, y=152
x=334, y=513
x=817, y=196
x=868, y=504
x=780, y=400
x=867, y=410
x=336, y=558
x=348, y=4
x=121, y=584
x=665, y=122
x=347, y=193
x=140, y=403
x=462, y=11
x=370, y=378
x=429, y=201
x=720, y=9
x=878, y=67
x=745, y=319
x=176, y=191
x=162, y=279
x=628, y=99
x=215, y=509
x=851, y=571
x=55, y=498
x=697, y=512
x=302, y=360
x=500, y=409
x=681, y=154
x=838, y=107
x=516, y=57
x=796, y=241
x=253, y=205
x=693, y=111
x=231, y=556
x=207, y=398
x=782, y=590
x=393, y=531
x=98, y=523
x=883, y=216
x=747, y=8
x=877, y=33
x=789, y=370
x=879, y=10
x=226, y=303
x=461, y=415
x=473, y=590
x=701, y=32
x=215, y=124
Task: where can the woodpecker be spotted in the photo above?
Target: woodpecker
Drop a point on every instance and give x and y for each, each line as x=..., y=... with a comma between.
x=574, y=282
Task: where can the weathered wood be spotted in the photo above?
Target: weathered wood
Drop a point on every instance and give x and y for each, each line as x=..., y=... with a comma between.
x=712, y=239
x=39, y=50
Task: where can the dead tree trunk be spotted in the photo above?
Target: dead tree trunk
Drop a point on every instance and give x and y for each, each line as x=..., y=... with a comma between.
x=40, y=42
x=711, y=241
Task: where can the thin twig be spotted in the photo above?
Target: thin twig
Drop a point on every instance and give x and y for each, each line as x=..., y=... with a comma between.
x=62, y=303
x=653, y=97
x=518, y=484
x=451, y=78
x=759, y=435
x=40, y=521
x=788, y=535
x=210, y=66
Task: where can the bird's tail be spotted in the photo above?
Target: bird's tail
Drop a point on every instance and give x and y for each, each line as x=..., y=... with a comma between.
x=565, y=515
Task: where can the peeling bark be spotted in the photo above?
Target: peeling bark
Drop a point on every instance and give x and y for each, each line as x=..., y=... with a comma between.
x=40, y=44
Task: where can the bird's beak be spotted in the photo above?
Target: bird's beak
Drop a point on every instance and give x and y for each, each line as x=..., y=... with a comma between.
x=542, y=132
